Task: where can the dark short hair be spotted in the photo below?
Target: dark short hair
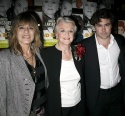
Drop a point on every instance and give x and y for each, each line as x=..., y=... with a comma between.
x=102, y=14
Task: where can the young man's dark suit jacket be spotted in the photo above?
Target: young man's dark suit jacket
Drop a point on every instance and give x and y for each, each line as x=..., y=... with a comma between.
x=92, y=69
x=52, y=58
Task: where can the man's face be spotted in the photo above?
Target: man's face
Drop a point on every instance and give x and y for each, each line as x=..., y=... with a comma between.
x=20, y=6
x=89, y=8
x=103, y=29
x=50, y=6
x=66, y=9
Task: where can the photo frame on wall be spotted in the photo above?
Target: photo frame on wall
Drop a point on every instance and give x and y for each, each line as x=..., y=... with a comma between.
x=121, y=27
x=37, y=2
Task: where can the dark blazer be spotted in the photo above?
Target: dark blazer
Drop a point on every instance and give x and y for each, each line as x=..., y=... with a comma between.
x=92, y=69
x=52, y=58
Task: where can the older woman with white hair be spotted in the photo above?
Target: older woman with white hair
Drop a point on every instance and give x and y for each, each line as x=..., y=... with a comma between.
x=66, y=95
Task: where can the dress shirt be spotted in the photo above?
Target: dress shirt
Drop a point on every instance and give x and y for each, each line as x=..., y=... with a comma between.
x=108, y=62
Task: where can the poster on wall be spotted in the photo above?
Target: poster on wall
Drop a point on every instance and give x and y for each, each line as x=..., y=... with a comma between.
x=49, y=8
x=77, y=14
x=8, y=10
x=89, y=8
x=121, y=27
x=5, y=27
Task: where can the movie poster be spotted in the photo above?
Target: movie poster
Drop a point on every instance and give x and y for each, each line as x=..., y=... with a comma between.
x=5, y=27
x=49, y=8
x=8, y=10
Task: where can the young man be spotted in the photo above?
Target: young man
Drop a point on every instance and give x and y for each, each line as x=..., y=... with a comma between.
x=104, y=67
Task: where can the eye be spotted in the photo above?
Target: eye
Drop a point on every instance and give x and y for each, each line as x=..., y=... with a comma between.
x=21, y=27
x=62, y=31
x=98, y=25
x=86, y=4
x=71, y=31
x=46, y=1
x=30, y=28
x=108, y=24
x=53, y=2
x=19, y=4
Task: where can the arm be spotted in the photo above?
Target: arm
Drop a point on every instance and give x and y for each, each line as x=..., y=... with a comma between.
x=2, y=89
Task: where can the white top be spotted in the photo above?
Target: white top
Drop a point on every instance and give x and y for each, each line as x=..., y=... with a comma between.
x=108, y=61
x=70, y=85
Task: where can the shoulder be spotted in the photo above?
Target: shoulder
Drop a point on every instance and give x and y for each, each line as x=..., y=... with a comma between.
x=119, y=38
x=5, y=56
x=50, y=52
x=5, y=53
x=87, y=40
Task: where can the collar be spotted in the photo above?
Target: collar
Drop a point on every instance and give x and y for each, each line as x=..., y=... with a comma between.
x=112, y=40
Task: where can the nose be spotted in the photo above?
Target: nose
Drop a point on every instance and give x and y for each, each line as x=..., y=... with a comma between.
x=49, y=4
x=89, y=7
x=67, y=34
x=26, y=30
x=68, y=13
x=103, y=28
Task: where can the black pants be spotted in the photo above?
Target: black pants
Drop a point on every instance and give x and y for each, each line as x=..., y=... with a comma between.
x=110, y=102
x=72, y=111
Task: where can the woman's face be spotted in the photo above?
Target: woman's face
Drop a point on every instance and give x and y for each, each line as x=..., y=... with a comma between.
x=89, y=8
x=50, y=6
x=25, y=34
x=65, y=33
x=4, y=5
x=66, y=9
x=20, y=6
x=120, y=30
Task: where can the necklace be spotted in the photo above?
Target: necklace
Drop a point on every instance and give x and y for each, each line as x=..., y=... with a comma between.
x=26, y=58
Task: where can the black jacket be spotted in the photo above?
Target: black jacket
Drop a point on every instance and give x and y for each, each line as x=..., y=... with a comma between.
x=92, y=69
x=52, y=58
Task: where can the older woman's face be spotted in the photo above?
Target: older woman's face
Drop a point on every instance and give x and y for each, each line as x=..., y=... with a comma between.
x=49, y=7
x=65, y=33
x=89, y=8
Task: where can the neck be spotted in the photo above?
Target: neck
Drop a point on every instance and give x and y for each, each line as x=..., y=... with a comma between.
x=104, y=42
x=26, y=49
x=64, y=49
